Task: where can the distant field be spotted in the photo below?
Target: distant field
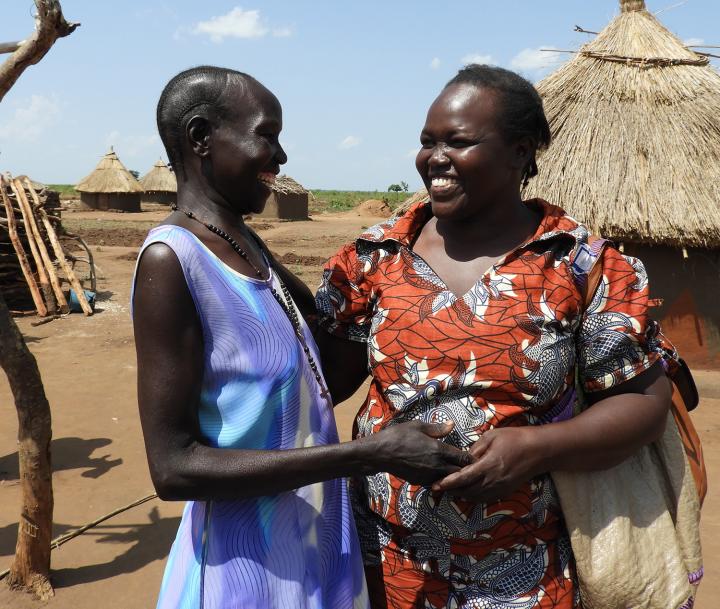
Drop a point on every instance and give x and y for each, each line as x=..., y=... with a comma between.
x=67, y=191
x=325, y=200
x=343, y=200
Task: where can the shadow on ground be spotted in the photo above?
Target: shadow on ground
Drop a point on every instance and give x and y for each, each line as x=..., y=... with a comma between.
x=150, y=541
x=67, y=453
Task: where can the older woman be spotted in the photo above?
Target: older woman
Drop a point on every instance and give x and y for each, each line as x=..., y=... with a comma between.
x=466, y=309
x=234, y=407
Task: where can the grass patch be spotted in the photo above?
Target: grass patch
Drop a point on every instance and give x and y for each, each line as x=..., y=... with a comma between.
x=64, y=189
x=345, y=200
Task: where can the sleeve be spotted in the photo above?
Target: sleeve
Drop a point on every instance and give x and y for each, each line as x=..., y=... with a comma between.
x=615, y=336
x=343, y=300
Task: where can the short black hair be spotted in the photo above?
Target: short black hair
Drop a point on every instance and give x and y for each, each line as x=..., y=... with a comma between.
x=521, y=107
x=193, y=92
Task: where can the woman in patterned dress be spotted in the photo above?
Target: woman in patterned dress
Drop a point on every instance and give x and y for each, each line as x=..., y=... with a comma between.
x=234, y=409
x=466, y=309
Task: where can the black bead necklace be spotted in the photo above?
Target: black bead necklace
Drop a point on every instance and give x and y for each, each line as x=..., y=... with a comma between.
x=285, y=301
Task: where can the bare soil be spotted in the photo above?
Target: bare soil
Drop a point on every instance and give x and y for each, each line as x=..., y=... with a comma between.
x=88, y=367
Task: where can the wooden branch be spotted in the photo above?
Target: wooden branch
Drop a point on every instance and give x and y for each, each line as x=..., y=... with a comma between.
x=34, y=241
x=54, y=281
x=59, y=254
x=30, y=569
x=50, y=25
x=10, y=47
x=22, y=258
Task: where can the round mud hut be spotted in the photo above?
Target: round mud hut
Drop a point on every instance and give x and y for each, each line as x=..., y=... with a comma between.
x=110, y=187
x=160, y=185
x=287, y=201
x=635, y=117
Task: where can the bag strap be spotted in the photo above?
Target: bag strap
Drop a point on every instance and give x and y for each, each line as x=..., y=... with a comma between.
x=587, y=274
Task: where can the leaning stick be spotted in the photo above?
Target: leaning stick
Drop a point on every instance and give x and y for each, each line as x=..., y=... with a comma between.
x=59, y=254
x=44, y=255
x=39, y=265
x=22, y=258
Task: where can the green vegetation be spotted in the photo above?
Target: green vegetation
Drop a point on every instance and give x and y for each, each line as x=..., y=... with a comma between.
x=345, y=200
x=325, y=200
x=64, y=189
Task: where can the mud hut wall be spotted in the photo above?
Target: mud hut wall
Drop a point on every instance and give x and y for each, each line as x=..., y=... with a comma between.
x=129, y=202
x=161, y=198
x=690, y=291
x=288, y=206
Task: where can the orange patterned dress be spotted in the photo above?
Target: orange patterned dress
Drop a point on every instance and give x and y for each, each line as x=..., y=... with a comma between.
x=503, y=354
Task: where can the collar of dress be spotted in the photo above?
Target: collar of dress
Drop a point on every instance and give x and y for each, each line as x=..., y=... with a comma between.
x=402, y=229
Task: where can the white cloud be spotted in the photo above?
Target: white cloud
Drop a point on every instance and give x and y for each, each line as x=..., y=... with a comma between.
x=477, y=58
x=694, y=42
x=238, y=23
x=435, y=63
x=133, y=145
x=535, y=60
x=349, y=142
x=31, y=119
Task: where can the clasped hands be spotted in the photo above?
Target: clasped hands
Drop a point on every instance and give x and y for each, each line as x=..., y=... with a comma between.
x=502, y=460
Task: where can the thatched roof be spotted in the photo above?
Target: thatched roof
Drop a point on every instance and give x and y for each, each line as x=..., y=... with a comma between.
x=159, y=179
x=636, y=121
x=287, y=186
x=110, y=176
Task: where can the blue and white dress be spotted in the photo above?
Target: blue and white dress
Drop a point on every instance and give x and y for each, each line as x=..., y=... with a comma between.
x=297, y=549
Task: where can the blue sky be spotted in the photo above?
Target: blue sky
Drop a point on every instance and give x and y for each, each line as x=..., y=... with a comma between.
x=354, y=78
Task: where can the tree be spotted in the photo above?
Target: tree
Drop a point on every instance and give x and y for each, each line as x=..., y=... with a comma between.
x=30, y=569
x=394, y=188
x=405, y=186
x=135, y=174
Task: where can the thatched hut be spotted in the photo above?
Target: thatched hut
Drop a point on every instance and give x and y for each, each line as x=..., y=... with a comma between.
x=636, y=156
x=160, y=185
x=110, y=186
x=287, y=201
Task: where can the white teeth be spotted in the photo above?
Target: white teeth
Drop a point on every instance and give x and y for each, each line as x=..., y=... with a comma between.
x=267, y=178
x=443, y=181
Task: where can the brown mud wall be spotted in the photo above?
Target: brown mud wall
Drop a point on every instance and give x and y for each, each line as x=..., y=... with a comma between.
x=690, y=292
x=286, y=207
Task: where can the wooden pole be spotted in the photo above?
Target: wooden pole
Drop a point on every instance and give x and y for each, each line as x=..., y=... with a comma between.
x=10, y=47
x=39, y=265
x=19, y=191
x=30, y=569
x=59, y=254
x=22, y=258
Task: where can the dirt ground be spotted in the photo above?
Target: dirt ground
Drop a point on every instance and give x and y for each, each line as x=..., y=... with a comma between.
x=88, y=367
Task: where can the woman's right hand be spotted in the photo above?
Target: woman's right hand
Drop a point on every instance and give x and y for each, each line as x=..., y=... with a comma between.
x=413, y=451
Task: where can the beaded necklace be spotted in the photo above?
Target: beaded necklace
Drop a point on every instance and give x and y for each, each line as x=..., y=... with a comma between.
x=285, y=301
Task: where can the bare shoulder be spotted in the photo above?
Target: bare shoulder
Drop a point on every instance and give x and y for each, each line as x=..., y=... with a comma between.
x=160, y=283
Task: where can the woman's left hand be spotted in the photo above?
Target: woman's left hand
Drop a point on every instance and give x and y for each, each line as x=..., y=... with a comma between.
x=505, y=458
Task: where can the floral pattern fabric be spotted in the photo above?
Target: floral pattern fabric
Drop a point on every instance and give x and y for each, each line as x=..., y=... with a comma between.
x=503, y=354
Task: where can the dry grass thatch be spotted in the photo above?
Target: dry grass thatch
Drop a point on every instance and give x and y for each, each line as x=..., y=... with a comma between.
x=159, y=179
x=636, y=121
x=110, y=176
x=287, y=186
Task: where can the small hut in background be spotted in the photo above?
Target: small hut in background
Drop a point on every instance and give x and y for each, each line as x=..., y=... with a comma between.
x=110, y=186
x=160, y=185
x=635, y=117
x=287, y=201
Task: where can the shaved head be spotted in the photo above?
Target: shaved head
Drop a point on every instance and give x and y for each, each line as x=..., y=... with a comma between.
x=202, y=92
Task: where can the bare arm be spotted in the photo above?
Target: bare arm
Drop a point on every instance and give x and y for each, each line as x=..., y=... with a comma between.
x=619, y=422
x=169, y=346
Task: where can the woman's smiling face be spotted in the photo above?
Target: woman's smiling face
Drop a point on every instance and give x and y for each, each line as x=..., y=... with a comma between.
x=246, y=153
x=465, y=161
